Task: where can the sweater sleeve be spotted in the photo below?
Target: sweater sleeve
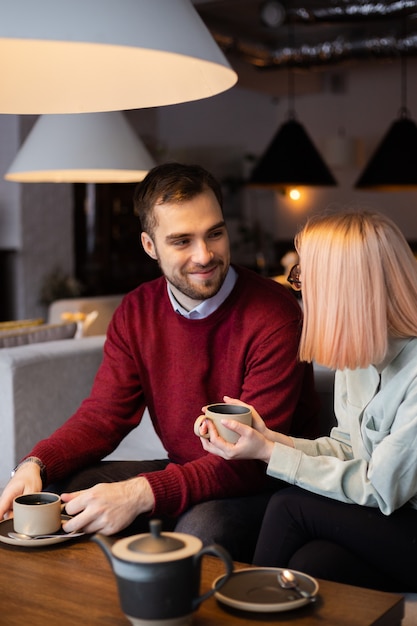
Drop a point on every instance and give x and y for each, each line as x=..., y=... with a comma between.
x=114, y=407
x=178, y=487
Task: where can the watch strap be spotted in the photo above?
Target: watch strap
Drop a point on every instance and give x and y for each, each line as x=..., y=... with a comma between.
x=31, y=459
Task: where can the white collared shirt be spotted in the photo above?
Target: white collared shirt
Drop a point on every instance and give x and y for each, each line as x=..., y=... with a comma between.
x=207, y=307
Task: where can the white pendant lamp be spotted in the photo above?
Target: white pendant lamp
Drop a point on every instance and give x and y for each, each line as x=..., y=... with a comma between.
x=81, y=148
x=77, y=56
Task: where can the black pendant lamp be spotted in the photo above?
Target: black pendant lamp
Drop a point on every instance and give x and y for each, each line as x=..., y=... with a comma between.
x=393, y=166
x=291, y=159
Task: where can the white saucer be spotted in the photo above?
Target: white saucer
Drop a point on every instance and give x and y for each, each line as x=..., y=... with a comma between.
x=257, y=590
x=6, y=526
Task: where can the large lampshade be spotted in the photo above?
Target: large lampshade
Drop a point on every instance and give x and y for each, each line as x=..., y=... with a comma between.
x=81, y=148
x=74, y=56
x=291, y=159
x=393, y=166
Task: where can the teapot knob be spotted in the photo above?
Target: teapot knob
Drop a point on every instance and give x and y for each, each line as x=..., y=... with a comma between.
x=155, y=526
x=156, y=542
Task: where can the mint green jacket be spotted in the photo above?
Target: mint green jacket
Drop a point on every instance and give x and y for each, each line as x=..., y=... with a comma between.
x=370, y=457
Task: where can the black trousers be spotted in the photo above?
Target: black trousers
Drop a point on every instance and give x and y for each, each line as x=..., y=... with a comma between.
x=342, y=542
x=233, y=523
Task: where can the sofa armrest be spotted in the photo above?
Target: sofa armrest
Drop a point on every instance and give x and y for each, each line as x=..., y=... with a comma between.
x=41, y=385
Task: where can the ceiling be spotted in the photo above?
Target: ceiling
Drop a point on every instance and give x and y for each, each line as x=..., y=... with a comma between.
x=261, y=38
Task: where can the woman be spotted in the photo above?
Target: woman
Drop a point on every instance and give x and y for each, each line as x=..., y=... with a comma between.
x=350, y=514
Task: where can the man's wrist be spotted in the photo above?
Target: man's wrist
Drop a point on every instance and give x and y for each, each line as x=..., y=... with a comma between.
x=31, y=459
x=142, y=494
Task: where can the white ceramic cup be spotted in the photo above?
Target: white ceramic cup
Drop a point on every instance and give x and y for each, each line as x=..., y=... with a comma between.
x=37, y=513
x=217, y=412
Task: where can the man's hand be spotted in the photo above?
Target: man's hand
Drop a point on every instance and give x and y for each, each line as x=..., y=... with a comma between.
x=27, y=479
x=108, y=507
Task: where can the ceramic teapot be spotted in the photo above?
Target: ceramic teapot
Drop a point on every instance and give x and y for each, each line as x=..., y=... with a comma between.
x=158, y=575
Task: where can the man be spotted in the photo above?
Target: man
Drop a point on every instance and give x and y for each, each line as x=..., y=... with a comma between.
x=202, y=330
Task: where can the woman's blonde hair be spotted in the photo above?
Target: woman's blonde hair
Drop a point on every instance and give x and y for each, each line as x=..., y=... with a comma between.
x=359, y=285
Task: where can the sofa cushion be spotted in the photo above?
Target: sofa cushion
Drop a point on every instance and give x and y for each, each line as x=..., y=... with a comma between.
x=36, y=334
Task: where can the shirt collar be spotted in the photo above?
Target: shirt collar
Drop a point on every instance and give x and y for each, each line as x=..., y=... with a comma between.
x=207, y=307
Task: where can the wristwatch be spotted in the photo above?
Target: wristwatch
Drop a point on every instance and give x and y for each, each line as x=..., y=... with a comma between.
x=31, y=459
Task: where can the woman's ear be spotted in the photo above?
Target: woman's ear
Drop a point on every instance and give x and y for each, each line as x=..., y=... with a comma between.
x=148, y=245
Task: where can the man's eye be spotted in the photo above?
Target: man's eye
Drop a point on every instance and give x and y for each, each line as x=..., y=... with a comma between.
x=180, y=243
x=216, y=234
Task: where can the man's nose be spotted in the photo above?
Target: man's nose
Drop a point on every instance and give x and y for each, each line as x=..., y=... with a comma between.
x=202, y=254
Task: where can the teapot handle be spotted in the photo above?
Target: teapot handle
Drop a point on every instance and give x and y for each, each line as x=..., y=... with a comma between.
x=214, y=550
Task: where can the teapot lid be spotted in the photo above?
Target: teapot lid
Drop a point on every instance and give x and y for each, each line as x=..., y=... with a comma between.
x=156, y=547
x=156, y=543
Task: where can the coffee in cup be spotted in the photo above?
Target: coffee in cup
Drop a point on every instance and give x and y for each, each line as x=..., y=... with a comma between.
x=217, y=412
x=37, y=513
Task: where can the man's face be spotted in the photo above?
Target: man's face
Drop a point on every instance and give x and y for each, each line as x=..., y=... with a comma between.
x=191, y=245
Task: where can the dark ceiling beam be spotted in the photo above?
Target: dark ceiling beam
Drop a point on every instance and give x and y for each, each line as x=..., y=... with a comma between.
x=344, y=10
x=323, y=53
x=324, y=33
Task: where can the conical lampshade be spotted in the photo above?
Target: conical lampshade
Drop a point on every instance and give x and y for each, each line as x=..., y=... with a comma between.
x=291, y=159
x=393, y=167
x=79, y=56
x=81, y=148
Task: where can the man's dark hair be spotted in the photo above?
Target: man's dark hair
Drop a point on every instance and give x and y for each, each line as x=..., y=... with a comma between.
x=171, y=182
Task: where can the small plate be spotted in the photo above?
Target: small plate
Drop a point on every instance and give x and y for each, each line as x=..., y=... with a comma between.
x=257, y=589
x=6, y=526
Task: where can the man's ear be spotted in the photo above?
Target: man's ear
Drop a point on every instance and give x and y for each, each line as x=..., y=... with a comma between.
x=148, y=245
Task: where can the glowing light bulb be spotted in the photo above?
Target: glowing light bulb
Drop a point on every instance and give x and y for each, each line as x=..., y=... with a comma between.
x=294, y=194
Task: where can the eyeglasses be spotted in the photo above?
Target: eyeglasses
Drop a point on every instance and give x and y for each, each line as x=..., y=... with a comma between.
x=294, y=277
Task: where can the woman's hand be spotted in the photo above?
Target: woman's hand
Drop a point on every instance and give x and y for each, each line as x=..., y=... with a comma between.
x=257, y=421
x=250, y=445
x=255, y=442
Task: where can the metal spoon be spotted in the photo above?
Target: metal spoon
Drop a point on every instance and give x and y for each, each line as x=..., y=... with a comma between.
x=288, y=580
x=23, y=537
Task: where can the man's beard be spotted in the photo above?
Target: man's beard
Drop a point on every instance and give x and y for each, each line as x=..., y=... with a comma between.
x=202, y=291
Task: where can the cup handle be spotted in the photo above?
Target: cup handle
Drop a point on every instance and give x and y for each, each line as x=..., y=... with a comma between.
x=197, y=425
x=214, y=550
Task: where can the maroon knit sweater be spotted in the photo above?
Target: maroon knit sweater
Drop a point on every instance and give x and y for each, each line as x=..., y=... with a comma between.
x=154, y=357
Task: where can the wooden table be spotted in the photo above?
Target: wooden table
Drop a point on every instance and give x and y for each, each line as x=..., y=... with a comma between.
x=72, y=584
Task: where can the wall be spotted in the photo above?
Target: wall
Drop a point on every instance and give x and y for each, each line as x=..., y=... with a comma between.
x=47, y=242
x=9, y=194
x=35, y=225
